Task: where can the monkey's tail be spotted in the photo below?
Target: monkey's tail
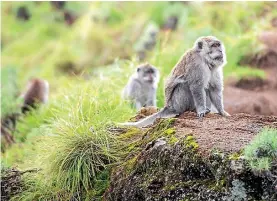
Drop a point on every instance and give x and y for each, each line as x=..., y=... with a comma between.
x=164, y=113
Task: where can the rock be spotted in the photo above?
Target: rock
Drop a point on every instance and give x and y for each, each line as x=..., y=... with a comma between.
x=155, y=144
x=192, y=169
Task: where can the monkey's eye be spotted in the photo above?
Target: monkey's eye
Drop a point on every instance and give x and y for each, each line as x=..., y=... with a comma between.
x=150, y=71
x=216, y=45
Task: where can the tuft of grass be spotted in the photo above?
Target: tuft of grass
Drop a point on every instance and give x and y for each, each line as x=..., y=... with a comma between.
x=74, y=148
x=262, y=151
x=80, y=158
x=39, y=187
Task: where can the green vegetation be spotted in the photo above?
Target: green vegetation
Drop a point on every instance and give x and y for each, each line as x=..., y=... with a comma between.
x=262, y=151
x=67, y=139
x=72, y=150
x=9, y=92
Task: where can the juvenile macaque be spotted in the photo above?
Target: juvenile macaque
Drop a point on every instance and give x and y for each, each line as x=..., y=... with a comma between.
x=142, y=86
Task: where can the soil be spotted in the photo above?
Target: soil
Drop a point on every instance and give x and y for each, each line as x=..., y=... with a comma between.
x=254, y=95
x=265, y=59
x=228, y=134
x=269, y=38
x=144, y=112
x=274, y=22
x=252, y=83
x=238, y=100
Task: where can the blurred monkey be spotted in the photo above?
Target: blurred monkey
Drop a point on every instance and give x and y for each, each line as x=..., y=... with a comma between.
x=23, y=13
x=58, y=4
x=36, y=93
x=142, y=86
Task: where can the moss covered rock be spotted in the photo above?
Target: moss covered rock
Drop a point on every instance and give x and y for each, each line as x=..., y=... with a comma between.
x=174, y=166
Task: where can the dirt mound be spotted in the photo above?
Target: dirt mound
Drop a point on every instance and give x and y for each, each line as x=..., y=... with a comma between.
x=269, y=38
x=252, y=83
x=244, y=101
x=265, y=59
x=274, y=22
x=229, y=134
x=193, y=159
x=254, y=95
x=144, y=112
x=268, y=57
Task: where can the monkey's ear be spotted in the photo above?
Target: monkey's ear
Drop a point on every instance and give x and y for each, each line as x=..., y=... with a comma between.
x=200, y=45
x=138, y=69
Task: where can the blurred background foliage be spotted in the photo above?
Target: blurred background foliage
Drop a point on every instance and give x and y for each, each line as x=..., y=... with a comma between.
x=87, y=51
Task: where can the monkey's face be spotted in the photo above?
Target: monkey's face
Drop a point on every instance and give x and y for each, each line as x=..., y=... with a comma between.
x=148, y=74
x=212, y=50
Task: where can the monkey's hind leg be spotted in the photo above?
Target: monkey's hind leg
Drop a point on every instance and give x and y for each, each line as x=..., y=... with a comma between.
x=138, y=105
x=217, y=100
x=199, y=97
x=208, y=102
x=181, y=100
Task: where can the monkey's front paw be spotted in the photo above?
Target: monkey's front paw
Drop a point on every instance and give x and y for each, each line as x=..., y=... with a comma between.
x=207, y=110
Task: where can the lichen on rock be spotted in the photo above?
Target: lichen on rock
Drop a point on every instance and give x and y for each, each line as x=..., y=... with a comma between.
x=169, y=164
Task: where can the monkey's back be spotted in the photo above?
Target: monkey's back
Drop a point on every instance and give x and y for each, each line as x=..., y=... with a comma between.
x=179, y=71
x=182, y=65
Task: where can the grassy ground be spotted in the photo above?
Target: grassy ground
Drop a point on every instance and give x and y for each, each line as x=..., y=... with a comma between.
x=62, y=136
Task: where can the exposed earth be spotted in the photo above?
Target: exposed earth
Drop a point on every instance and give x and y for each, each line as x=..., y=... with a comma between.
x=253, y=95
x=229, y=134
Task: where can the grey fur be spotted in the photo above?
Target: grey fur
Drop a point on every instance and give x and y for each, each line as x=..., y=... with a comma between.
x=142, y=86
x=195, y=83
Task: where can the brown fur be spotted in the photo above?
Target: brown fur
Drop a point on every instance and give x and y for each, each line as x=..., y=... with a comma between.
x=37, y=91
x=179, y=67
